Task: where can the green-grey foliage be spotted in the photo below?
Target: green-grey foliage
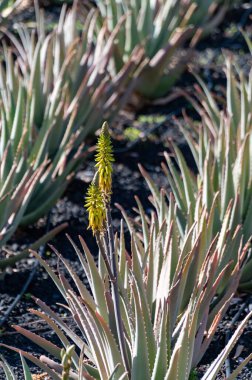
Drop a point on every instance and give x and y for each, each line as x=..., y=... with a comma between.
x=222, y=150
x=174, y=285
x=161, y=27
x=55, y=91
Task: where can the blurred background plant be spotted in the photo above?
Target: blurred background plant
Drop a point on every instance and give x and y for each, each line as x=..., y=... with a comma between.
x=162, y=28
x=7, y=7
x=55, y=91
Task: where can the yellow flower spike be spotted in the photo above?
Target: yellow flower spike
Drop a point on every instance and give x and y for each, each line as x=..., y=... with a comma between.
x=95, y=207
x=104, y=159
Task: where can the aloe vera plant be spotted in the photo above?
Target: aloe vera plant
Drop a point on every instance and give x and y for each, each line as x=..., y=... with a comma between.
x=169, y=287
x=162, y=28
x=55, y=90
x=222, y=149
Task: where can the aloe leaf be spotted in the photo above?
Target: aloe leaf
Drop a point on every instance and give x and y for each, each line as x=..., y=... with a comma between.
x=233, y=103
x=42, y=342
x=239, y=369
x=176, y=183
x=140, y=362
x=35, y=361
x=81, y=256
x=47, y=237
x=215, y=367
x=150, y=182
x=113, y=352
x=150, y=285
x=160, y=366
x=50, y=272
x=96, y=284
x=7, y=369
x=211, y=104
x=17, y=129
x=150, y=340
x=59, y=333
x=93, y=336
x=77, y=340
x=145, y=22
x=80, y=286
x=131, y=32
x=189, y=185
x=144, y=223
x=27, y=372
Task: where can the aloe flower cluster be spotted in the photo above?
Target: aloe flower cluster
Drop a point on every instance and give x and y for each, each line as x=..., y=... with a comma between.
x=104, y=159
x=95, y=207
x=100, y=189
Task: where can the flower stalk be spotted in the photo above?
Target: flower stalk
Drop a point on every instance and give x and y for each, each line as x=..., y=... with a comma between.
x=104, y=256
x=115, y=290
x=100, y=221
